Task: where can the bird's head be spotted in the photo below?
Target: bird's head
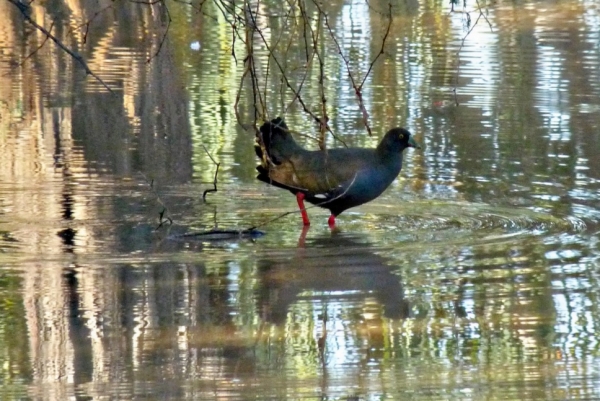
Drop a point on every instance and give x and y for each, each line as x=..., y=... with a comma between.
x=396, y=140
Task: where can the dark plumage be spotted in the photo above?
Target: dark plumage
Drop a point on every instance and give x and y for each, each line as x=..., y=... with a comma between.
x=336, y=179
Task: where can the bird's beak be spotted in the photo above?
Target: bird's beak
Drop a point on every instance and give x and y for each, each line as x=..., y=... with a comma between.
x=413, y=144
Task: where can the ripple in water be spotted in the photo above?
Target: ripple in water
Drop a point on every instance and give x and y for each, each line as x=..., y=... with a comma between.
x=452, y=221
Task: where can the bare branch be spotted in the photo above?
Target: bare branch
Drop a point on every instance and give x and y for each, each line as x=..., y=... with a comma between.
x=25, y=11
x=309, y=58
x=358, y=88
x=382, y=50
x=32, y=53
x=164, y=37
x=89, y=21
x=165, y=211
x=481, y=14
x=462, y=44
x=324, y=119
x=285, y=78
x=214, y=188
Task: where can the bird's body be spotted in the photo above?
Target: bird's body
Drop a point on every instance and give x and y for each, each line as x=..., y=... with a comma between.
x=335, y=179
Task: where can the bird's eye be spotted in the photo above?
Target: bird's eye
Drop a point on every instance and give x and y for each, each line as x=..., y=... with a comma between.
x=400, y=136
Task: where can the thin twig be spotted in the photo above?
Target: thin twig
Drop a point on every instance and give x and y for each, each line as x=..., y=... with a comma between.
x=247, y=67
x=258, y=113
x=305, y=23
x=164, y=36
x=214, y=188
x=462, y=44
x=226, y=9
x=484, y=16
x=89, y=21
x=25, y=11
x=324, y=118
x=285, y=78
x=357, y=89
x=251, y=26
x=198, y=8
x=30, y=54
x=165, y=211
x=382, y=50
x=309, y=58
x=275, y=45
x=291, y=39
x=238, y=95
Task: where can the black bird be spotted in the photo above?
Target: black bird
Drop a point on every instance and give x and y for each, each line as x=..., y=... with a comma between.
x=335, y=179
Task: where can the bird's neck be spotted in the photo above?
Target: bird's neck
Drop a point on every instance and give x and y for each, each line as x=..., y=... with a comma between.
x=388, y=152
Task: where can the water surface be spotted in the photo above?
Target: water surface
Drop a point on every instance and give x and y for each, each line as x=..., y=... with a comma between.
x=474, y=276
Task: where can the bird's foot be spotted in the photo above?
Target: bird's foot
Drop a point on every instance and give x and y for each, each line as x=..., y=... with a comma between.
x=331, y=221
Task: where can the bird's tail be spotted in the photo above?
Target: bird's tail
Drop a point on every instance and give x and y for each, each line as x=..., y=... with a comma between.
x=275, y=143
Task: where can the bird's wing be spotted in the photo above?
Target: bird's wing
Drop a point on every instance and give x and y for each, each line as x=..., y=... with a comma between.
x=322, y=172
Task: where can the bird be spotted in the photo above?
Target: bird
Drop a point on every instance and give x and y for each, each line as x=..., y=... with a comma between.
x=335, y=179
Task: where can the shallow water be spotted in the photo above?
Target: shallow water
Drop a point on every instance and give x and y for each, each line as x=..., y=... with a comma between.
x=474, y=276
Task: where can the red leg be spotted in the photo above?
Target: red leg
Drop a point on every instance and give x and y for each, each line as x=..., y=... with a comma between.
x=331, y=221
x=302, y=238
x=300, y=199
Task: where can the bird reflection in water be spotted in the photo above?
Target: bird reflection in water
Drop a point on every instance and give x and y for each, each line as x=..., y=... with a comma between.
x=337, y=267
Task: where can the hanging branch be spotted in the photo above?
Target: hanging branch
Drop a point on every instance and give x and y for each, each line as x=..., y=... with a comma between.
x=250, y=69
x=481, y=14
x=249, y=23
x=26, y=10
x=250, y=16
x=164, y=37
x=284, y=76
x=382, y=50
x=249, y=61
x=324, y=119
x=462, y=43
x=248, y=64
x=290, y=16
x=309, y=58
x=358, y=88
x=275, y=45
x=37, y=49
x=87, y=23
x=305, y=23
